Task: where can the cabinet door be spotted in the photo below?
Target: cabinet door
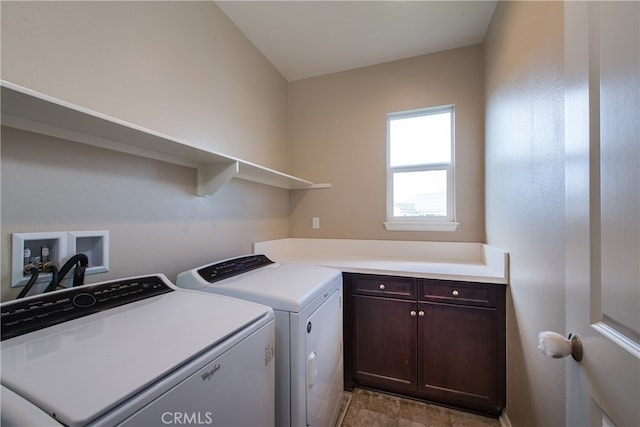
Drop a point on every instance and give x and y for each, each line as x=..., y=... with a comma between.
x=457, y=355
x=384, y=343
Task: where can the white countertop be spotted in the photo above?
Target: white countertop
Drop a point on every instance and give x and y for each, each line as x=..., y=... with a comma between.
x=474, y=262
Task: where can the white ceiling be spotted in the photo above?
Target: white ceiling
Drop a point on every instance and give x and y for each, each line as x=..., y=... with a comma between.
x=310, y=38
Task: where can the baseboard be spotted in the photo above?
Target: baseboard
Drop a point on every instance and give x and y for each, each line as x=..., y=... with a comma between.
x=345, y=405
x=504, y=420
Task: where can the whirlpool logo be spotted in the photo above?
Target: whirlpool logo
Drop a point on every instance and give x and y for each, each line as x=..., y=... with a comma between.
x=187, y=418
x=207, y=375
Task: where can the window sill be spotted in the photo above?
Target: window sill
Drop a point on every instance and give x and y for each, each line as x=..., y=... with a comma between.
x=420, y=226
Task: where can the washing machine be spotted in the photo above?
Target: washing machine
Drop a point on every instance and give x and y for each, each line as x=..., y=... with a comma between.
x=307, y=301
x=136, y=352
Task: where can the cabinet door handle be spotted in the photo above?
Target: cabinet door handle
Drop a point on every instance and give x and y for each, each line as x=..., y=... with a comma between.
x=421, y=313
x=382, y=286
x=413, y=313
x=455, y=293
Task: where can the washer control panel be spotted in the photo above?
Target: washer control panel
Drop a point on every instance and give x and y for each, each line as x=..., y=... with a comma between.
x=31, y=314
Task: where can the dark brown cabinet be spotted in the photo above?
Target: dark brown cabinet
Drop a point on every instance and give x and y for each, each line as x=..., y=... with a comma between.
x=384, y=327
x=437, y=340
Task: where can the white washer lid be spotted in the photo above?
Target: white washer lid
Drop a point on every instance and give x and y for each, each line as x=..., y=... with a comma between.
x=286, y=287
x=82, y=368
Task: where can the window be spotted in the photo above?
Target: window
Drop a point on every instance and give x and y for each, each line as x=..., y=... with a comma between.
x=420, y=152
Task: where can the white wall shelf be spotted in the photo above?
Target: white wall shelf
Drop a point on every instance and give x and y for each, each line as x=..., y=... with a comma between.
x=25, y=109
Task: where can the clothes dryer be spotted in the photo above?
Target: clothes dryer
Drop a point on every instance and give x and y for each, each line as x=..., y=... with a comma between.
x=307, y=301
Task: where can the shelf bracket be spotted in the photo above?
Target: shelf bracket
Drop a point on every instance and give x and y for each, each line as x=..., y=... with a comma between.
x=212, y=177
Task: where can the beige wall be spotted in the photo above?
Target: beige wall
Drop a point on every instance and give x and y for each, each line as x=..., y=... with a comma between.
x=525, y=196
x=178, y=68
x=337, y=131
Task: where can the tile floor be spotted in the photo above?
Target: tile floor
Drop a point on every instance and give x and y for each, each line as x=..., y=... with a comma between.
x=371, y=409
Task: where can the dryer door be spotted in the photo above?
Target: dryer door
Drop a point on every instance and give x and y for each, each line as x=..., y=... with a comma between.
x=323, y=347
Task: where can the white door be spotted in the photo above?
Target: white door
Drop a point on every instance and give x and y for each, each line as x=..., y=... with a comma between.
x=602, y=65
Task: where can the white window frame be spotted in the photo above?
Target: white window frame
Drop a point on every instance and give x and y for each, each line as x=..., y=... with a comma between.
x=429, y=222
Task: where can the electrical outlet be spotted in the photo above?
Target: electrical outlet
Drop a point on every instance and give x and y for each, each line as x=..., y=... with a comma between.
x=315, y=223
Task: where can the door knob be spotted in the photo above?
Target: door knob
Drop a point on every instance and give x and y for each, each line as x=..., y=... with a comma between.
x=555, y=345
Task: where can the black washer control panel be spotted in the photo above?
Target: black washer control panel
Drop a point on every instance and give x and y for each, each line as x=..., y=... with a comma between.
x=31, y=314
x=225, y=269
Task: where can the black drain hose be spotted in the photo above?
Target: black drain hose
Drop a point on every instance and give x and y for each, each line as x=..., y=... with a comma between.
x=34, y=277
x=80, y=261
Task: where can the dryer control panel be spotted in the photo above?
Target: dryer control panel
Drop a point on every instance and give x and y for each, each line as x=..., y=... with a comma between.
x=41, y=311
x=232, y=267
